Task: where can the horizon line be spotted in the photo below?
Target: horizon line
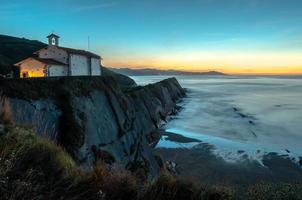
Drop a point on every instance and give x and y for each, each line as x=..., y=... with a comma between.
x=209, y=70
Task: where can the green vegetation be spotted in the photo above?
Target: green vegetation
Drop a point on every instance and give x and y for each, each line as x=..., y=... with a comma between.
x=30, y=166
x=35, y=168
x=123, y=80
x=39, y=88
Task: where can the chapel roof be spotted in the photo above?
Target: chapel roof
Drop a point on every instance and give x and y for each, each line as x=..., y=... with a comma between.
x=80, y=52
x=76, y=52
x=47, y=61
x=53, y=35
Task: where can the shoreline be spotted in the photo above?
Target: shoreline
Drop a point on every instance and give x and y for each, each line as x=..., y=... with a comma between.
x=200, y=164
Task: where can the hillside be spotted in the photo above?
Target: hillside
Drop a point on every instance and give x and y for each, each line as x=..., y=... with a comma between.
x=157, y=72
x=13, y=49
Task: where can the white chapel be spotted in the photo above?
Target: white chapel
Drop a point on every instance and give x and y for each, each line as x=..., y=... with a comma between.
x=54, y=60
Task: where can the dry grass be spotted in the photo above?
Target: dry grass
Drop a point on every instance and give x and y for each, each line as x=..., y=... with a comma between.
x=264, y=191
x=167, y=188
x=34, y=168
x=30, y=166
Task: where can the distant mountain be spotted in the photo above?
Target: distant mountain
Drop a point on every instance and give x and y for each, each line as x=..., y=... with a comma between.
x=157, y=72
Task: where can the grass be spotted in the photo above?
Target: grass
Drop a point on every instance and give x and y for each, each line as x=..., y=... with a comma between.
x=264, y=191
x=50, y=87
x=32, y=167
x=167, y=187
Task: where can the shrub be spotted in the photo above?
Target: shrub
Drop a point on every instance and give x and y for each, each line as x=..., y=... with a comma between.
x=31, y=166
x=167, y=187
x=264, y=191
x=34, y=168
x=216, y=193
x=102, y=155
x=139, y=168
x=118, y=184
x=170, y=188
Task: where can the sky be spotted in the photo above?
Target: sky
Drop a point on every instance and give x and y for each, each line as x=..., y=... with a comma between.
x=231, y=36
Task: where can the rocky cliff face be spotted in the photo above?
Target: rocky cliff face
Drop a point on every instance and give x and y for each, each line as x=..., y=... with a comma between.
x=92, y=117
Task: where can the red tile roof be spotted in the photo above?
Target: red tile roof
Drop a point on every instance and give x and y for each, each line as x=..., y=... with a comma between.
x=48, y=61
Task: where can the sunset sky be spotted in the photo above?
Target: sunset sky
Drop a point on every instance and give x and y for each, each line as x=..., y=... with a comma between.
x=232, y=36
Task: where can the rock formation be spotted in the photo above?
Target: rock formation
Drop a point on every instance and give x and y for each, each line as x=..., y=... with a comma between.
x=92, y=118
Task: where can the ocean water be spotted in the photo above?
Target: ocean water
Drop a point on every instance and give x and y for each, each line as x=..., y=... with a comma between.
x=241, y=116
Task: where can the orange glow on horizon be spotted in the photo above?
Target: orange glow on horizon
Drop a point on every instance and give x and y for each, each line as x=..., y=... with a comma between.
x=265, y=71
x=236, y=63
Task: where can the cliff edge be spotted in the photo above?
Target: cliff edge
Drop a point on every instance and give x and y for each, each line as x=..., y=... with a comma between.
x=93, y=118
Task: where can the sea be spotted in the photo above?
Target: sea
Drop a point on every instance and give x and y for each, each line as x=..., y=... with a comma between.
x=241, y=117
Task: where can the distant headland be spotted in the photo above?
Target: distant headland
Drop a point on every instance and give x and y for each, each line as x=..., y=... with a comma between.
x=157, y=72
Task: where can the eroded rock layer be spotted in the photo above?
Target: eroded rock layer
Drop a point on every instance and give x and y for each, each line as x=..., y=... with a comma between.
x=92, y=117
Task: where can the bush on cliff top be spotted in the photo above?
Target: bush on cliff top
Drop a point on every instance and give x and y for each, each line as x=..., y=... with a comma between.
x=123, y=80
x=39, y=88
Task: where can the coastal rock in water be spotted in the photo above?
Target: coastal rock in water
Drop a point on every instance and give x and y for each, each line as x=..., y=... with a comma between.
x=92, y=118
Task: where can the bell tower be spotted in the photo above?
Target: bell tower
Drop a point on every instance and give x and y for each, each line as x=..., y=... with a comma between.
x=53, y=40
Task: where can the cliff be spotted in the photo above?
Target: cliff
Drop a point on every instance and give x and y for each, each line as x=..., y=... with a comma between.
x=92, y=117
